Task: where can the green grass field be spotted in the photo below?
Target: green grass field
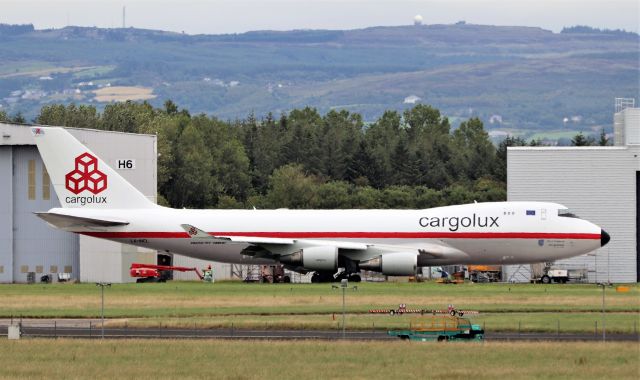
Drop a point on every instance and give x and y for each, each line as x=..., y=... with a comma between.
x=93, y=72
x=507, y=322
x=503, y=307
x=81, y=359
x=203, y=299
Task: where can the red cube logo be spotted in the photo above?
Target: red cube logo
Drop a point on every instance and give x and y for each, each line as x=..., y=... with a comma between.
x=75, y=182
x=86, y=176
x=86, y=163
x=96, y=182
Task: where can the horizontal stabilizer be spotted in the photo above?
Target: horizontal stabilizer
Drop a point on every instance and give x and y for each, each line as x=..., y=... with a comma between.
x=70, y=221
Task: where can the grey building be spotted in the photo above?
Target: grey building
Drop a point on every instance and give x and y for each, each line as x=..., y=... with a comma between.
x=600, y=184
x=28, y=244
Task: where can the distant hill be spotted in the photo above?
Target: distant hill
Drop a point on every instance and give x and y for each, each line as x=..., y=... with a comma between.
x=511, y=77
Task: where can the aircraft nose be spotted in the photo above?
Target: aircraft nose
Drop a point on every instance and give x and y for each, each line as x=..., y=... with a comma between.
x=604, y=238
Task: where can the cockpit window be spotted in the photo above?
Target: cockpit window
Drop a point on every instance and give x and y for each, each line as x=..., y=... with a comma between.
x=566, y=213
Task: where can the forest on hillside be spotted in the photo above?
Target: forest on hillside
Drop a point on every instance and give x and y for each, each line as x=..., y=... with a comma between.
x=518, y=80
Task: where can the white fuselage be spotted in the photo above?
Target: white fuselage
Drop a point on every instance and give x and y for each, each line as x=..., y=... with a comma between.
x=483, y=233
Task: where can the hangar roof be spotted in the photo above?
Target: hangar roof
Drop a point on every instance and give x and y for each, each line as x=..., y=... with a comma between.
x=20, y=134
x=580, y=148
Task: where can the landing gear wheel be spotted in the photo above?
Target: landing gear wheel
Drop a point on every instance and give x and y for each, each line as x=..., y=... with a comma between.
x=355, y=278
x=318, y=277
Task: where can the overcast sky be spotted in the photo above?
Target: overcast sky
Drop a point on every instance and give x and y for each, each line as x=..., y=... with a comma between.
x=233, y=16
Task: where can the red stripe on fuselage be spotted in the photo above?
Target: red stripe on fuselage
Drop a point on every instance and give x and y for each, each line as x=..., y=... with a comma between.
x=137, y=235
x=354, y=235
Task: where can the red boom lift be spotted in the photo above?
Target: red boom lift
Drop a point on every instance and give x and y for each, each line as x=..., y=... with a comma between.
x=157, y=273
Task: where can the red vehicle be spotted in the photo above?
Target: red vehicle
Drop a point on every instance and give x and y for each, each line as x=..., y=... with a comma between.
x=157, y=273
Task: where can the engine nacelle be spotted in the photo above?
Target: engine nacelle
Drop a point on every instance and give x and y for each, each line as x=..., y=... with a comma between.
x=392, y=264
x=324, y=258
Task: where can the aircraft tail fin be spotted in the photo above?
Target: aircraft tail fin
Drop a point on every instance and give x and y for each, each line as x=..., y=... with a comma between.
x=80, y=178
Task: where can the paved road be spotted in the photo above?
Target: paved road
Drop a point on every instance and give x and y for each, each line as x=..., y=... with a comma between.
x=83, y=329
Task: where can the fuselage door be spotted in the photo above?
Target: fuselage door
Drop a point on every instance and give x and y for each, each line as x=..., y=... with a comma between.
x=543, y=214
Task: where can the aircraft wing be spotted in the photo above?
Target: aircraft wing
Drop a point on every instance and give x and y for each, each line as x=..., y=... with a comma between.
x=197, y=233
x=64, y=221
x=439, y=250
x=433, y=251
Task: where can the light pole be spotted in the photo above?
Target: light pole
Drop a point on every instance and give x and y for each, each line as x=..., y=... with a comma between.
x=604, y=328
x=344, y=284
x=595, y=264
x=608, y=266
x=102, y=285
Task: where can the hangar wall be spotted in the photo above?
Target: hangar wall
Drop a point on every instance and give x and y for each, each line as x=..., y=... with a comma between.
x=598, y=184
x=625, y=129
x=221, y=271
x=28, y=244
x=6, y=215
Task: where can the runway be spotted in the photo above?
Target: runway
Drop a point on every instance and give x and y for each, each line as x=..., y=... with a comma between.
x=90, y=329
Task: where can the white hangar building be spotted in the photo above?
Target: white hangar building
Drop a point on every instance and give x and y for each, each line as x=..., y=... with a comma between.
x=29, y=246
x=600, y=184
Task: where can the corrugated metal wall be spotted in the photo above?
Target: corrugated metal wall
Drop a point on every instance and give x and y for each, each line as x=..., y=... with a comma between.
x=631, y=117
x=36, y=246
x=107, y=261
x=598, y=184
x=6, y=214
x=221, y=271
x=618, y=129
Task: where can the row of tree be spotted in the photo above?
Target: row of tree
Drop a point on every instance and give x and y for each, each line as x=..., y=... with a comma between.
x=306, y=160
x=291, y=187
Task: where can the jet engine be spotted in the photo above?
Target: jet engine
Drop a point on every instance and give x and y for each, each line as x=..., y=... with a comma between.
x=324, y=258
x=392, y=264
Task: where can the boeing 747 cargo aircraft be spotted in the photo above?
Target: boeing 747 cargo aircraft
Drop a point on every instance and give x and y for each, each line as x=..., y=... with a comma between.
x=96, y=201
